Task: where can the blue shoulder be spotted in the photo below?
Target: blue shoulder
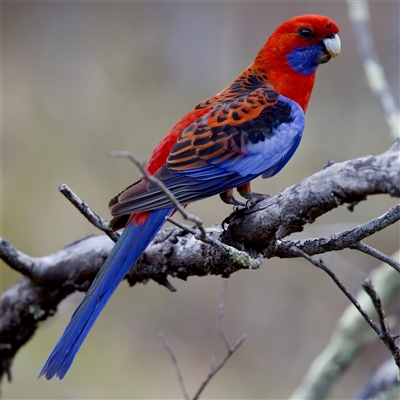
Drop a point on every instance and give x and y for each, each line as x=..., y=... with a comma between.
x=270, y=140
x=286, y=138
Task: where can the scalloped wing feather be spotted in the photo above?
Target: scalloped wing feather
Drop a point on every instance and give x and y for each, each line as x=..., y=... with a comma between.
x=227, y=147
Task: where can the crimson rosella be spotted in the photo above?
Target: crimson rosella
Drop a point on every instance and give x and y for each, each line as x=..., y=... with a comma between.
x=251, y=128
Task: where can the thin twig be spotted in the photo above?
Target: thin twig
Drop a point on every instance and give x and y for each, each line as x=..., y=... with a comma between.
x=377, y=254
x=349, y=338
x=164, y=189
x=218, y=323
x=382, y=332
x=346, y=239
x=320, y=264
x=237, y=255
x=213, y=372
x=170, y=352
x=218, y=332
x=225, y=340
x=385, y=336
x=213, y=369
x=87, y=212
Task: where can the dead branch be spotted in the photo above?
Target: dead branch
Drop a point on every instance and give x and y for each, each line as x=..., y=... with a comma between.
x=87, y=212
x=347, y=239
x=376, y=254
x=213, y=368
x=229, y=349
x=164, y=189
x=201, y=234
x=301, y=204
x=350, y=337
x=384, y=330
x=171, y=354
x=257, y=232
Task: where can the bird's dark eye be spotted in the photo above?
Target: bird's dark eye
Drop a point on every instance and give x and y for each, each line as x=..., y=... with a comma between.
x=305, y=33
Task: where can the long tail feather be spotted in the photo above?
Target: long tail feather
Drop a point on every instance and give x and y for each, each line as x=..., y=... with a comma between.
x=125, y=253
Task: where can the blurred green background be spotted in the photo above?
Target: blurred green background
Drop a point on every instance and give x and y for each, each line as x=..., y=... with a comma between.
x=80, y=79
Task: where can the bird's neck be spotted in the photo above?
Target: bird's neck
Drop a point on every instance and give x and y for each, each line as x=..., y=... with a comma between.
x=284, y=78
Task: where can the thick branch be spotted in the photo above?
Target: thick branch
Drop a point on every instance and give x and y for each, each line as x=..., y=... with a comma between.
x=347, y=182
x=178, y=253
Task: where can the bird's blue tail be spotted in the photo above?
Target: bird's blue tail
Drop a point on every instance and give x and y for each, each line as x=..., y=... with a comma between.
x=125, y=253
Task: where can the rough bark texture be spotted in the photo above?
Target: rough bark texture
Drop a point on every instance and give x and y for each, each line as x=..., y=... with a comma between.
x=258, y=231
x=348, y=182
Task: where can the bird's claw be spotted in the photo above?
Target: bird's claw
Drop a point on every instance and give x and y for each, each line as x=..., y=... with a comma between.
x=256, y=198
x=233, y=214
x=228, y=219
x=251, y=202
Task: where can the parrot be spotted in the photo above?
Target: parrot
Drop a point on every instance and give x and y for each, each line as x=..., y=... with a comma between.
x=250, y=128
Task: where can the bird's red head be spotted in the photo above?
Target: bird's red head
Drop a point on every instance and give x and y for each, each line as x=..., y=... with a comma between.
x=293, y=52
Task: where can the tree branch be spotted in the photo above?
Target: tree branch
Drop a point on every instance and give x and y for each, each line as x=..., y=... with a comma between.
x=177, y=253
x=347, y=239
x=171, y=354
x=164, y=189
x=320, y=264
x=384, y=331
x=229, y=251
x=213, y=368
x=87, y=212
x=350, y=337
x=376, y=254
x=348, y=182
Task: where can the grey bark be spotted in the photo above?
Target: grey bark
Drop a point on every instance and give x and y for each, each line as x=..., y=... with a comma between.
x=258, y=231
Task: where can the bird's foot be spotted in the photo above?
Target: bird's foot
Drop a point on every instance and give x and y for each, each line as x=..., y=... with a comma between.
x=228, y=198
x=236, y=211
x=230, y=217
x=256, y=198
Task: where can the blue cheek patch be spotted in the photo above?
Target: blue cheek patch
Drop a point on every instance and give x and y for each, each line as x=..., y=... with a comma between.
x=305, y=59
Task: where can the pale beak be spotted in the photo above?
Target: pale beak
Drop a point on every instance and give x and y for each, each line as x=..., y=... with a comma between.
x=332, y=45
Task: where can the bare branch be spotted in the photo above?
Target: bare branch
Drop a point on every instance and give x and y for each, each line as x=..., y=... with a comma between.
x=213, y=371
x=87, y=212
x=173, y=252
x=376, y=253
x=230, y=350
x=18, y=261
x=347, y=239
x=350, y=337
x=218, y=324
x=232, y=253
x=320, y=264
x=225, y=340
x=170, y=352
x=237, y=255
x=384, y=334
x=341, y=183
x=164, y=189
